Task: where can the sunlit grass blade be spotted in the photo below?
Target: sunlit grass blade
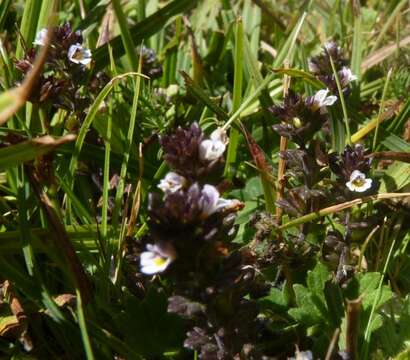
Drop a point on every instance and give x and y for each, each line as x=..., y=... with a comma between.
x=83, y=327
x=371, y=125
x=400, y=119
x=342, y=102
x=387, y=23
x=142, y=30
x=237, y=96
x=300, y=74
x=383, y=53
x=4, y=10
x=357, y=40
x=286, y=52
x=48, y=7
x=381, y=109
x=89, y=119
x=195, y=90
x=120, y=230
x=339, y=207
x=28, y=25
x=29, y=150
x=83, y=238
x=125, y=35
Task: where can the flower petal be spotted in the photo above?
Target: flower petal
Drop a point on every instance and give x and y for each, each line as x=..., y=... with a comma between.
x=211, y=150
x=219, y=134
x=172, y=182
x=320, y=96
x=79, y=55
x=330, y=100
x=40, y=37
x=209, y=200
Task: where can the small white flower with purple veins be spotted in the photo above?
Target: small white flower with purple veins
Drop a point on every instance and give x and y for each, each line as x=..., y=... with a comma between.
x=172, y=182
x=79, y=55
x=321, y=100
x=346, y=76
x=211, y=202
x=41, y=37
x=155, y=259
x=358, y=182
x=214, y=147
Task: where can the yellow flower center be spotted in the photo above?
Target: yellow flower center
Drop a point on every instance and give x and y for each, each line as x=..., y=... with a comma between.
x=159, y=261
x=78, y=55
x=359, y=181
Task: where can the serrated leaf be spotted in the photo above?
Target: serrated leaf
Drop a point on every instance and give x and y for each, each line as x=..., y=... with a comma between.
x=317, y=278
x=275, y=301
x=306, y=313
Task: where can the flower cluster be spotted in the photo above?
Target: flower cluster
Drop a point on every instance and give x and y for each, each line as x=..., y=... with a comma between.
x=189, y=242
x=187, y=203
x=150, y=65
x=309, y=185
x=321, y=67
x=352, y=168
x=65, y=43
x=302, y=118
x=190, y=154
x=66, y=70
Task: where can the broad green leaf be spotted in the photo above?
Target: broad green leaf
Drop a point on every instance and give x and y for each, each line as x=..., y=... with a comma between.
x=275, y=301
x=306, y=313
x=316, y=279
x=396, y=177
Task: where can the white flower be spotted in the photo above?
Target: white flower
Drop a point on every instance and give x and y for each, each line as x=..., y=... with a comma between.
x=172, y=182
x=214, y=147
x=211, y=202
x=321, y=100
x=302, y=355
x=346, y=76
x=41, y=37
x=358, y=182
x=79, y=55
x=156, y=259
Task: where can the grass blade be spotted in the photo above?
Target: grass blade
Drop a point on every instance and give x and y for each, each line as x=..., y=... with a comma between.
x=142, y=30
x=125, y=35
x=339, y=207
x=13, y=155
x=237, y=96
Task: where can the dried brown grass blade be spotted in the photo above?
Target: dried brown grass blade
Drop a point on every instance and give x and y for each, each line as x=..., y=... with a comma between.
x=378, y=56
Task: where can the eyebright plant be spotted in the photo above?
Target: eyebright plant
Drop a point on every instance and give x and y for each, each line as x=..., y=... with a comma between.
x=190, y=244
x=204, y=180
x=66, y=82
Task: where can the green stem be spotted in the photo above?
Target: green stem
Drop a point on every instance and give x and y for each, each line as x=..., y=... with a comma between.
x=342, y=101
x=83, y=327
x=125, y=35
